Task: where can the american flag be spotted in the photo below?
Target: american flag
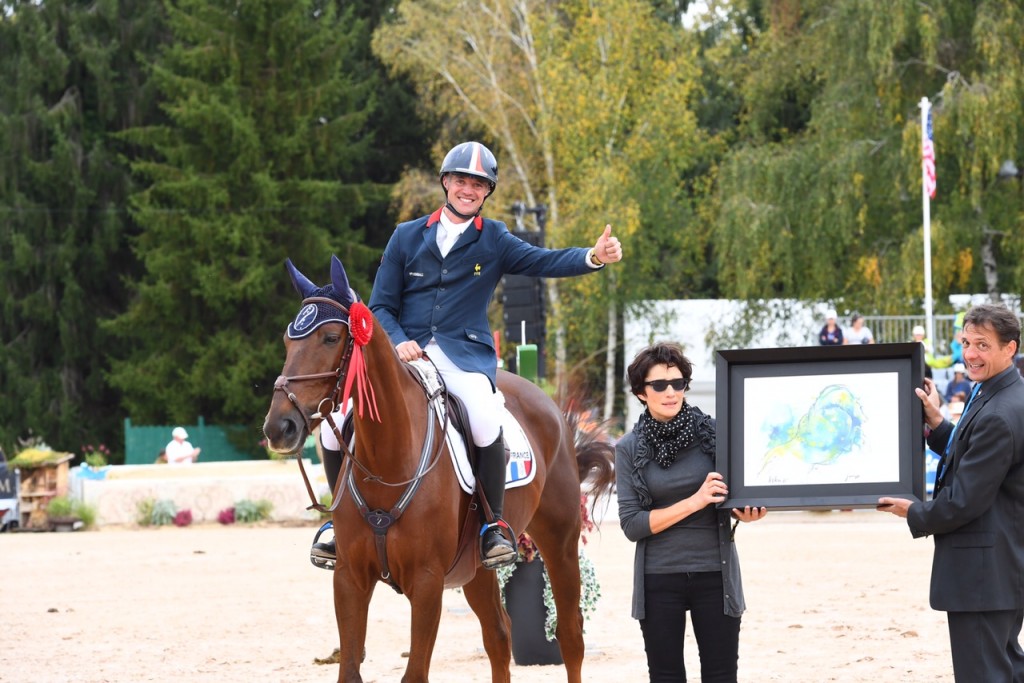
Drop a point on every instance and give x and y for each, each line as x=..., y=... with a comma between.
x=928, y=159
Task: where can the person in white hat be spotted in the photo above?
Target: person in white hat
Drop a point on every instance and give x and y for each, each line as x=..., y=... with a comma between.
x=959, y=382
x=831, y=334
x=179, y=451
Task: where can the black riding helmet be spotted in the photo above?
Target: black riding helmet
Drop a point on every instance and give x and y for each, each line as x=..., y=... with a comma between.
x=469, y=158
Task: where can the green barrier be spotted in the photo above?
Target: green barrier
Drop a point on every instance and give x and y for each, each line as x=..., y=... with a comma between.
x=526, y=361
x=142, y=444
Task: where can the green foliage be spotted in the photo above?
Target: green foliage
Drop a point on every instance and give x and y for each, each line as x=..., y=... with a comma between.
x=158, y=292
x=95, y=456
x=158, y=161
x=68, y=78
x=63, y=506
x=152, y=512
x=589, y=106
x=37, y=456
x=326, y=499
x=827, y=201
x=144, y=511
x=259, y=160
x=590, y=592
x=85, y=512
x=59, y=506
x=250, y=511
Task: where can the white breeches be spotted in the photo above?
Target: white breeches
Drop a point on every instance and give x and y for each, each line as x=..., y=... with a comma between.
x=476, y=393
x=473, y=388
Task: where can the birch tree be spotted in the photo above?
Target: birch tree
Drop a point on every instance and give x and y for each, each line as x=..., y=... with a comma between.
x=620, y=87
x=588, y=105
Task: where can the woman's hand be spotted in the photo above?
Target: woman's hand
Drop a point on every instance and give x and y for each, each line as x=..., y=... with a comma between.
x=712, y=491
x=749, y=514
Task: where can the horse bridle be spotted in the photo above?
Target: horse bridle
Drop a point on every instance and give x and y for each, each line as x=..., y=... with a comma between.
x=332, y=400
x=427, y=461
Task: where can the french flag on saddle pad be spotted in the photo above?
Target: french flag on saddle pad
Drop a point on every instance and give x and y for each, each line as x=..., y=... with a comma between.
x=520, y=464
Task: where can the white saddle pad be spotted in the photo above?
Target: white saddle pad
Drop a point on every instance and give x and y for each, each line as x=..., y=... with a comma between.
x=521, y=467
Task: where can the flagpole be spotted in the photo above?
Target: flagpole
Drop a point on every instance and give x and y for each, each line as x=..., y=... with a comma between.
x=927, y=212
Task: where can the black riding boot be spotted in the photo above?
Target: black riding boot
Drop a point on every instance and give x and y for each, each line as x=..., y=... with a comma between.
x=496, y=550
x=324, y=555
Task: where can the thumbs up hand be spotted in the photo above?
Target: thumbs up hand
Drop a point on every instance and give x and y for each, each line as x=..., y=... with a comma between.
x=608, y=249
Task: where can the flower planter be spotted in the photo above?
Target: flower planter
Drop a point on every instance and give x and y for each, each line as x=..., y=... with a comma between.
x=65, y=523
x=524, y=602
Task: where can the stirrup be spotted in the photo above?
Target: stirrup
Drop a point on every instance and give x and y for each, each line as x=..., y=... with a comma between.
x=503, y=554
x=319, y=560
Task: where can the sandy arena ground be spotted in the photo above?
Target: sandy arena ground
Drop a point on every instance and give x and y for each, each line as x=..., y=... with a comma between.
x=830, y=597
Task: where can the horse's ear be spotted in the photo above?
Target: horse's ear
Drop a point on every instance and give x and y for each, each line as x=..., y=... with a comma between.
x=301, y=283
x=340, y=281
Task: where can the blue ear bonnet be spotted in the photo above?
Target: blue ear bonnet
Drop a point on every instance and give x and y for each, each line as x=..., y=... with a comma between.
x=316, y=313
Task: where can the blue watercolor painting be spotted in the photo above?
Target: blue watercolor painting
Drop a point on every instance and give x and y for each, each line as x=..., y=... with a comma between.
x=820, y=429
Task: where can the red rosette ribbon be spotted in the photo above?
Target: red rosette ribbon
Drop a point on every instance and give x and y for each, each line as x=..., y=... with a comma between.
x=360, y=323
x=360, y=326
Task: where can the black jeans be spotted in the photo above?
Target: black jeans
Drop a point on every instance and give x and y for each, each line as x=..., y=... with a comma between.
x=667, y=599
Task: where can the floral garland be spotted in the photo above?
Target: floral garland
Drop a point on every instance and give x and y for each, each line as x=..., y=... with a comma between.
x=590, y=593
x=590, y=588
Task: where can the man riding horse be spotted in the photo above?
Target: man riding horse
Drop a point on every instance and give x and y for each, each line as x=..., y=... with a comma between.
x=436, y=277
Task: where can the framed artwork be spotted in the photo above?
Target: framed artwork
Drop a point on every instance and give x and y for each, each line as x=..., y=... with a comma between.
x=820, y=427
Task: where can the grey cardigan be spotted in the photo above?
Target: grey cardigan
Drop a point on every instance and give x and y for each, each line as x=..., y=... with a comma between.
x=634, y=519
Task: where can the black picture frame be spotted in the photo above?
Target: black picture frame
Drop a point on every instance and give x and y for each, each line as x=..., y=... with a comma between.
x=859, y=439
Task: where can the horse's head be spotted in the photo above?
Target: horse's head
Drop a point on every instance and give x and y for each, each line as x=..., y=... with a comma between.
x=318, y=347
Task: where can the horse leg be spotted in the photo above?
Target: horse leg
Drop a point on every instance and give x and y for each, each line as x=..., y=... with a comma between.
x=564, y=574
x=556, y=530
x=485, y=600
x=425, y=601
x=351, y=607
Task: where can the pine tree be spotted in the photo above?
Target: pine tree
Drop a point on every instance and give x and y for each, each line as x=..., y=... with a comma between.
x=68, y=80
x=262, y=158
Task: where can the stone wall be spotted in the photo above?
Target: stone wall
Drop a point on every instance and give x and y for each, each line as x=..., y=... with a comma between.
x=203, y=488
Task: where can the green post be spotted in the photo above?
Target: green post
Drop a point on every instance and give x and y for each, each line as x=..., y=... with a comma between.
x=526, y=361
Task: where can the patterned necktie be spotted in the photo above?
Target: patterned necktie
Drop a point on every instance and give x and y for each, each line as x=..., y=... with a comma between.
x=946, y=454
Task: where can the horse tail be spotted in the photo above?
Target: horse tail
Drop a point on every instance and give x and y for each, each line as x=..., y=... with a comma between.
x=595, y=455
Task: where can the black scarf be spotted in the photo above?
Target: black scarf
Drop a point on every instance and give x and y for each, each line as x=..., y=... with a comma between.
x=662, y=442
x=667, y=439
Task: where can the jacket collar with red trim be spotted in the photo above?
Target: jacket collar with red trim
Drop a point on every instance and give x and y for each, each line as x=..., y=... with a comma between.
x=435, y=218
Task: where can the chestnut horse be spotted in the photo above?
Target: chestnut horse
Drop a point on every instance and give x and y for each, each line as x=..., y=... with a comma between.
x=400, y=464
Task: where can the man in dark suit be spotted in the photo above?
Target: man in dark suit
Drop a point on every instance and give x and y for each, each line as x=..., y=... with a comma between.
x=436, y=278
x=977, y=511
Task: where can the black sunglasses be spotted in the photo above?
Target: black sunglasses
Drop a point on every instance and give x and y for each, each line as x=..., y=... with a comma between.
x=660, y=385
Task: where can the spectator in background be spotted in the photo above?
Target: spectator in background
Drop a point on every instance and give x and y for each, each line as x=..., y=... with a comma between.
x=954, y=410
x=959, y=383
x=179, y=451
x=831, y=334
x=956, y=348
x=858, y=333
x=918, y=335
x=929, y=358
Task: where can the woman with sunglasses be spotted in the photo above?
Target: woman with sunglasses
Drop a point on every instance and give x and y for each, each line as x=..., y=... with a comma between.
x=685, y=556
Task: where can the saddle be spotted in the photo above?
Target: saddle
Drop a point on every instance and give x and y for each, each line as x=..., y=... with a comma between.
x=459, y=418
